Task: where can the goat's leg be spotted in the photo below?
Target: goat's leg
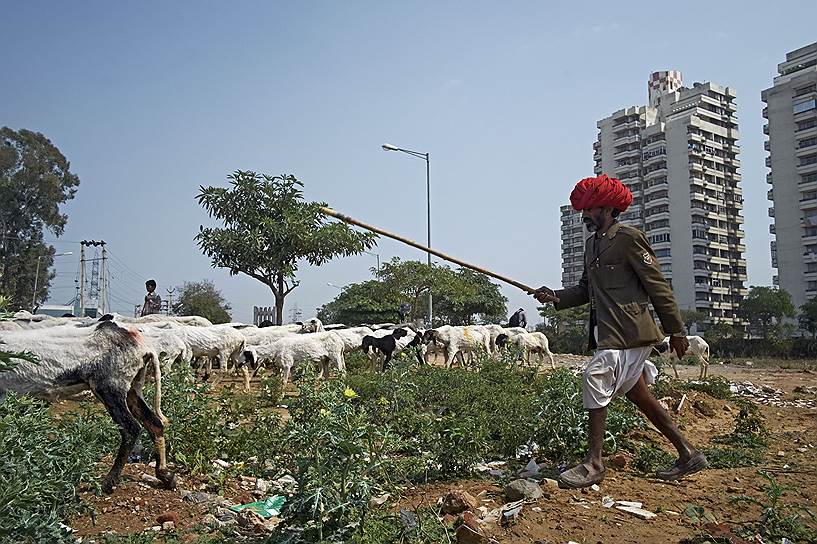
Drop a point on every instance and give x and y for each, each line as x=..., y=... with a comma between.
x=156, y=430
x=386, y=360
x=114, y=398
x=552, y=362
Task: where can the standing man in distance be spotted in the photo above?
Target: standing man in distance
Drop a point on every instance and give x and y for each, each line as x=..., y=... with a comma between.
x=518, y=319
x=153, y=302
x=621, y=277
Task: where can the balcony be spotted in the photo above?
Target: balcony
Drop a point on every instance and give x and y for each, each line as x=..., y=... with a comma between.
x=767, y=145
x=766, y=112
x=626, y=139
x=768, y=162
x=772, y=229
x=770, y=194
x=766, y=129
x=769, y=178
x=771, y=211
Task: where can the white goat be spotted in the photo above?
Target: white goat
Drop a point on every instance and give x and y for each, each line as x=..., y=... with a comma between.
x=319, y=347
x=531, y=343
x=697, y=348
x=456, y=340
x=109, y=360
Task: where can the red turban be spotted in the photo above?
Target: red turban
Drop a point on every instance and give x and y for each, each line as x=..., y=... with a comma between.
x=601, y=192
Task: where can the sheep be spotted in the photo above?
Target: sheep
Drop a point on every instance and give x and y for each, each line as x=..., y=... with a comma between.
x=530, y=343
x=109, y=360
x=352, y=337
x=458, y=339
x=311, y=325
x=391, y=344
x=168, y=345
x=319, y=347
x=697, y=347
x=220, y=341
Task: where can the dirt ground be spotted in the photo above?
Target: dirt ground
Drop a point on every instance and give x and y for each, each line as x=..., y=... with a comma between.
x=562, y=516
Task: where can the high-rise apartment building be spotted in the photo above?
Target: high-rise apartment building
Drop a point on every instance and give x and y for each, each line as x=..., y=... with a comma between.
x=679, y=157
x=791, y=110
x=573, y=236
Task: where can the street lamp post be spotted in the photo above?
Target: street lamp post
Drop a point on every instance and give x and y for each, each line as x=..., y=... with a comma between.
x=424, y=156
x=377, y=255
x=37, y=276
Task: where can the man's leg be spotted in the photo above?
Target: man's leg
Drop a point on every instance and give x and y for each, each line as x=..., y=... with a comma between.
x=689, y=459
x=592, y=469
x=641, y=396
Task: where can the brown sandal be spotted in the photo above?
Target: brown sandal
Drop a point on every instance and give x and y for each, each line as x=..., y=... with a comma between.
x=579, y=476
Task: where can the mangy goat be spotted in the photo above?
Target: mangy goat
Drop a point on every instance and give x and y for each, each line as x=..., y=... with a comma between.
x=109, y=360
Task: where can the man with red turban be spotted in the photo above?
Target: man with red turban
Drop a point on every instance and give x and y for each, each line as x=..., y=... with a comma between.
x=621, y=278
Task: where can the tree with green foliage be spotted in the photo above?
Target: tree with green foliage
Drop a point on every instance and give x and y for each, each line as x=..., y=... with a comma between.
x=566, y=329
x=203, y=299
x=808, y=317
x=765, y=306
x=461, y=296
x=268, y=228
x=466, y=297
x=364, y=302
x=692, y=317
x=721, y=330
x=35, y=179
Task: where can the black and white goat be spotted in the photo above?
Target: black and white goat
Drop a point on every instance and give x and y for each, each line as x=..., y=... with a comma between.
x=392, y=344
x=109, y=360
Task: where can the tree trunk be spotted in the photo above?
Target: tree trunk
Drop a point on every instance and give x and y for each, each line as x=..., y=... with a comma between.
x=279, y=301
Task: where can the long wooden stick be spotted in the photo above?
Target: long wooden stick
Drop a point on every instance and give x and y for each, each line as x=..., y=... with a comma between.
x=441, y=255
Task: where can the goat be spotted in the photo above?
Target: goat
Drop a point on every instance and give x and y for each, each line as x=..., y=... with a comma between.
x=531, y=343
x=697, y=347
x=109, y=360
x=458, y=339
x=390, y=344
x=319, y=347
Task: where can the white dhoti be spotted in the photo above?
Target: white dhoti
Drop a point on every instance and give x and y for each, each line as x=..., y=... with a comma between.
x=613, y=372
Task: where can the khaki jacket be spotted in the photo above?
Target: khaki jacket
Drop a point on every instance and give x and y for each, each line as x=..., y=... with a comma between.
x=621, y=277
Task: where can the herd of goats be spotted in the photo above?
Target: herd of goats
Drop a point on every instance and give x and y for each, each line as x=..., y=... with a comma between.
x=112, y=355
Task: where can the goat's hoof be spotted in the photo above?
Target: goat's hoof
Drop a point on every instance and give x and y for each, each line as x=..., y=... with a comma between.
x=108, y=485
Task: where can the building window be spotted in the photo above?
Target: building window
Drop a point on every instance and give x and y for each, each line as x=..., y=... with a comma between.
x=807, y=124
x=662, y=253
x=805, y=106
x=805, y=90
x=811, y=159
x=808, y=142
x=808, y=178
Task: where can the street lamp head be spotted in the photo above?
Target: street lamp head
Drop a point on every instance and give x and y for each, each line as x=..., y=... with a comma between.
x=63, y=254
x=389, y=147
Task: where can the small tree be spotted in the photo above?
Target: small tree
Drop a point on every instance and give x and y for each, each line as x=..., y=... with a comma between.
x=268, y=228
x=359, y=303
x=566, y=329
x=808, y=317
x=461, y=297
x=765, y=306
x=691, y=317
x=203, y=299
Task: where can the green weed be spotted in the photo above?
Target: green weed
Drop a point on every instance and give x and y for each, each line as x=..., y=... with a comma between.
x=779, y=520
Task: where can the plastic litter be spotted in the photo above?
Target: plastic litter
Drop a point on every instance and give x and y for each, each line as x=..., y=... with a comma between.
x=266, y=508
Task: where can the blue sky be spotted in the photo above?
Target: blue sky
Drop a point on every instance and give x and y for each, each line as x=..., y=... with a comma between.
x=151, y=100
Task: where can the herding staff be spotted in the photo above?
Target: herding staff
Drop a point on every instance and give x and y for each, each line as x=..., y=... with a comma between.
x=346, y=219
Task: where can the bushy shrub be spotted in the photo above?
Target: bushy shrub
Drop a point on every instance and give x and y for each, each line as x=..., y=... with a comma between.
x=43, y=461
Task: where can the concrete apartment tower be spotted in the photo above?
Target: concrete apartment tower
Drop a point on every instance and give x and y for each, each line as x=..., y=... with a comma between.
x=791, y=110
x=679, y=157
